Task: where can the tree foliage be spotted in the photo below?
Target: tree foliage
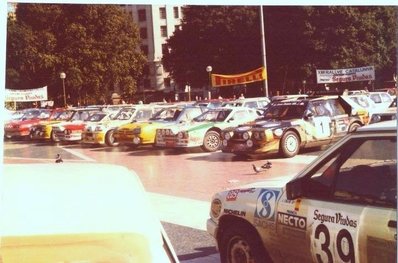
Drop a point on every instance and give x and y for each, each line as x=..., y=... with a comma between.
x=97, y=46
x=299, y=40
x=224, y=37
x=344, y=37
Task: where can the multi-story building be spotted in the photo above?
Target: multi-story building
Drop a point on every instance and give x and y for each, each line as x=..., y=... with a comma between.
x=156, y=24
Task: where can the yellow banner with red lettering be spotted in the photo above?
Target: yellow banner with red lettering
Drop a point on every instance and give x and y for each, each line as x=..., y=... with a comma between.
x=218, y=80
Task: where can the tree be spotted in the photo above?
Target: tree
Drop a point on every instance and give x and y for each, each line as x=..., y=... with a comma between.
x=97, y=46
x=344, y=37
x=299, y=40
x=224, y=37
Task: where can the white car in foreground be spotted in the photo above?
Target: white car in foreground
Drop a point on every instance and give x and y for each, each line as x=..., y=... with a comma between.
x=78, y=213
x=340, y=208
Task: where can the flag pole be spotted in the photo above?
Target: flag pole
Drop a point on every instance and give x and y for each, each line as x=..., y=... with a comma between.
x=263, y=51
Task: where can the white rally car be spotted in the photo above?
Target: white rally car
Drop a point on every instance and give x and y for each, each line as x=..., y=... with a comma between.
x=204, y=130
x=340, y=208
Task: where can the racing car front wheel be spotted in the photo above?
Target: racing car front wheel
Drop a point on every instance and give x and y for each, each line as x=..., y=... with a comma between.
x=54, y=137
x=110, y=139
x=211, y=141
x=290, y=144
x=242, y=244
x=353, y=127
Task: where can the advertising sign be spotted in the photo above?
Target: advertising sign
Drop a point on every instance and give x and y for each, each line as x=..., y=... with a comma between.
x=218, y=80
x=324, y=76
x=39, y=94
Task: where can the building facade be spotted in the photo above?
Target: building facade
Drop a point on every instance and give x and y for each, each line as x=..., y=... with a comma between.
x=156, y=24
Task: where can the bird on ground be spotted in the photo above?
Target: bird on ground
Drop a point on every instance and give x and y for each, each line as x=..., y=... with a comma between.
x=58, y=159
x=264, y=167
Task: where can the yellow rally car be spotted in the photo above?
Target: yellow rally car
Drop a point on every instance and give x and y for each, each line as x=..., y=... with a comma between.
x=103, y=132
x=69, y=213
x=341, y=208
x=145, y=132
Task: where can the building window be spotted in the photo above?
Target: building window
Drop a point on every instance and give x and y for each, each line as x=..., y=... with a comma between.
x=165, y=49
x=143, y=33
x=176, y=14
x=163, y=31
x=162, y=12
x=144, y=49
x=142, y=15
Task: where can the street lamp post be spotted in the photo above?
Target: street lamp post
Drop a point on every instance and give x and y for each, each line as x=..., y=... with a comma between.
x=62, y=75
x=209, y=69
x=304, y=82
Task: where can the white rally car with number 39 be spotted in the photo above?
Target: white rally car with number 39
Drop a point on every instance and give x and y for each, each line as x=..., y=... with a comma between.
x=340, y=208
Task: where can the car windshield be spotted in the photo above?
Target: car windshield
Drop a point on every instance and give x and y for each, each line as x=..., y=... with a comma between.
x=31, y=114
x=284, y=111
x=167, y=114
x=96, y=117
x=124, y=114
x=214, y=115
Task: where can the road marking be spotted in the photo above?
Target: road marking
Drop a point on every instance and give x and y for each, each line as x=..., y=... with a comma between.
x=180, y=211
x=80, y=155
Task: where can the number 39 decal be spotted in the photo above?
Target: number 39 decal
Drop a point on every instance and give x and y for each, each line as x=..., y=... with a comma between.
x=343, y=243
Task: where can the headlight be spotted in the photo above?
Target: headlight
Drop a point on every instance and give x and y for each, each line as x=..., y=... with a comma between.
x=225, y=143
x=215, y=208
x=67, y=131
x=159, y=132
x=136, y=130
x=376, y=118
x=245, y=135
x=167, y=132
x=278, y=132
x=163, y=132
x=249, y=143
x=181, y=135
x=227, y=136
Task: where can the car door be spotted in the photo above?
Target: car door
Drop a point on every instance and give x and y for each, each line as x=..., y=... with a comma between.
x=351, y=208
x=321, y=120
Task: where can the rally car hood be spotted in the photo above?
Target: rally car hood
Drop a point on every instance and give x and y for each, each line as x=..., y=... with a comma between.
x=276, y=182
x=144, y=124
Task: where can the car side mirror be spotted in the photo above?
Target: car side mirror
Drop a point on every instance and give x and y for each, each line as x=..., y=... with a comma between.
x=295, y=189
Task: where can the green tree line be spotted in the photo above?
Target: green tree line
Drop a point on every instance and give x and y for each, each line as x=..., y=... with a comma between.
x=97, y=46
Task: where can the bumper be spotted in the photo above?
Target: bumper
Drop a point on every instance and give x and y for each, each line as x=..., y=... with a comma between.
x=263, y=148
x=93, y=138
x=11, y=134
x=69, y=137
x=129, y=139
x=212, y=229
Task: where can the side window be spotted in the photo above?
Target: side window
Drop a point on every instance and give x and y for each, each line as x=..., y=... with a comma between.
x=375, y=98
x=364, y=172
x=385, y=97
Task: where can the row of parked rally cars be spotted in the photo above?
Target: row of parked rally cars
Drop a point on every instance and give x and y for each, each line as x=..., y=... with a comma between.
x=284, y=124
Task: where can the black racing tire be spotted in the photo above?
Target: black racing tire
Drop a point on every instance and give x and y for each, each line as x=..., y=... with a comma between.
x=289, y=145
x=211, y=141
x=53, y=137
x=241, y=243
x=110, y=139
x=354, y=126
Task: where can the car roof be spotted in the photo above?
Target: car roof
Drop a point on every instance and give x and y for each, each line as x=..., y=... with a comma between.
x=74, y=201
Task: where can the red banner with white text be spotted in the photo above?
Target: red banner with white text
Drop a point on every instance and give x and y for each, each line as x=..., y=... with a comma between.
x=218, y=80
